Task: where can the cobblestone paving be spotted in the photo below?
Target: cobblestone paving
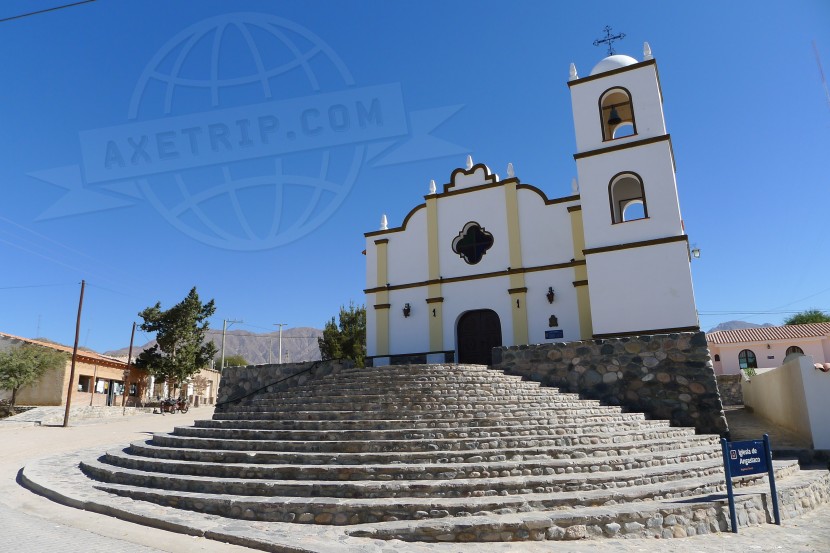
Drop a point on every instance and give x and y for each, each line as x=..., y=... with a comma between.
x=744, y=425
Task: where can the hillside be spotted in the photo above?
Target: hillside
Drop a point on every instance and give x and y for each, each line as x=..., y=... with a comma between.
x=298, y=344
x=737, y=325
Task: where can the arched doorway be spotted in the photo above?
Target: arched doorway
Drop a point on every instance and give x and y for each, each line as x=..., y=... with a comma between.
x=478, y=332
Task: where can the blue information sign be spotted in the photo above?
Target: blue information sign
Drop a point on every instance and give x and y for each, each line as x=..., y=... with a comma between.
x=749, y=457
x=743, y=459
x=551, y=334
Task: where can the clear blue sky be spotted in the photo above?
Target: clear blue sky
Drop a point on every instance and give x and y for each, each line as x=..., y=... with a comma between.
x=744, y=103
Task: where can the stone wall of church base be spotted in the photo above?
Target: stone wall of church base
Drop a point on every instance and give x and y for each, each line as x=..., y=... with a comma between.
x=729, y=386
x=665, y=376
x=243, y=383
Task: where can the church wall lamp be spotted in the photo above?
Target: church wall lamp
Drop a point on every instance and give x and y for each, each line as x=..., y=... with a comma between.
x=407, y=309
x=550, y=295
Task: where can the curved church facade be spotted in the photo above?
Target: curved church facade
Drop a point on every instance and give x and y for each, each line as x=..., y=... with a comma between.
x=486, y=262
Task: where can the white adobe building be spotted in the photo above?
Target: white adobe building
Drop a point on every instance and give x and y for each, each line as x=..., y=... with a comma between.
x=767, y=347
x=486, y=262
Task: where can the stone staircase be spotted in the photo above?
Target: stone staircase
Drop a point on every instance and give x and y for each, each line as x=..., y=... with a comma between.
x=435, y=453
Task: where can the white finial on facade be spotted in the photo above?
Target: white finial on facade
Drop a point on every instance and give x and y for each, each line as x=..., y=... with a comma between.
x=574, y=187
x=573, y=74
x=647, y=52
x=384, y=225
x=469, y=162
x=510, y=172
x=432, y=186
x=498, y=178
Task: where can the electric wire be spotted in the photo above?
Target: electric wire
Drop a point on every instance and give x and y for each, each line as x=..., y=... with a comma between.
x=56, y=8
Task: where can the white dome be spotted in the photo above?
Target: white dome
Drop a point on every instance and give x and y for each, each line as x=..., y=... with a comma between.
x=612, y=62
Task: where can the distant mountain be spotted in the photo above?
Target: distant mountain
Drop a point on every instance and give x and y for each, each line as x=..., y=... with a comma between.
x=298, y=344
x=737, y=325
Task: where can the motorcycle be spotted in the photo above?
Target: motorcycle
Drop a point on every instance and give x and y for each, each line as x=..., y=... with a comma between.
x=171, y=405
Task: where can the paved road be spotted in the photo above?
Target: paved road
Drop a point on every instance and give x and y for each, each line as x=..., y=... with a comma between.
x=33, y=524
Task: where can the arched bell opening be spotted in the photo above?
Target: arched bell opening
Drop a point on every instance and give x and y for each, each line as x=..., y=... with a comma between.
x=616, y=113
x=628, y=199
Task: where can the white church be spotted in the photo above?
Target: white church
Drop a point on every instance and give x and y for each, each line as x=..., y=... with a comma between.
x=487, y=262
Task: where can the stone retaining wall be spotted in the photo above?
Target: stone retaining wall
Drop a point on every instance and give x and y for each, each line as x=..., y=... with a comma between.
x=238, y=382
x=729, y=386
x=666, y=376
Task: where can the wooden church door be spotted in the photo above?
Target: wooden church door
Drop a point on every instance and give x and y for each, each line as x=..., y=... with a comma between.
x=478, y=333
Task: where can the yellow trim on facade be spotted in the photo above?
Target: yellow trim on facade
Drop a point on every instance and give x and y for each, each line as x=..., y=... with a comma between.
x=583, y=298
x=382, y=297
x=436, y=323
x=518, y=307
x=517, y=279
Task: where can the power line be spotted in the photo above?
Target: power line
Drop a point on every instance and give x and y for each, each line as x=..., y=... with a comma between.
x=110, y=290
x=36, y=286
x=21, y=16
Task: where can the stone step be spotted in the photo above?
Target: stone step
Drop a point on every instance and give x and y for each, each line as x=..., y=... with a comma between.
x=427, y=397
x=263, y=440
x=254, y=468
x=341, y=511
x=492, y=449
x=419, y=382
x=436, y=413
x=446, y=419
x=573, y=431
x=200, y=451
x=430, y=406
x=397, y=431
x=663, y=518
x=341, y=390
x=377, y=489
x=370, y=386
x=446, y=370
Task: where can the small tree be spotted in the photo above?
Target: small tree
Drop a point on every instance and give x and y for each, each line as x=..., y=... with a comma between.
x=23, y=365
x=809, y=316
x=348, y=339
x=200, y=384
x=230, y=361
x=180, y=349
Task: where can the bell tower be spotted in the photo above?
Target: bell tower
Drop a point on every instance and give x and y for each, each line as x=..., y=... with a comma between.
x=636, y=250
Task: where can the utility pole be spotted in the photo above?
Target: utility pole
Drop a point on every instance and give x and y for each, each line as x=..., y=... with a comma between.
x=74, y=357
x=224, y=328
x=280, y=325
x=270, y=348
x=127, y=373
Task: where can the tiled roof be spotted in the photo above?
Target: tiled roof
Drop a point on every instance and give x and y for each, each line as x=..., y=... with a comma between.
x=769, y=333
x=89, y=355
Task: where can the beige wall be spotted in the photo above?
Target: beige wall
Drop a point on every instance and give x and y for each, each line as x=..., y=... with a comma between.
x=793, y=396
x=52, y=387
x=208, y=396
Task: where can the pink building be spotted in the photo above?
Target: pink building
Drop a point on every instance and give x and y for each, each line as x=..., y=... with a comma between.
x=766, y=347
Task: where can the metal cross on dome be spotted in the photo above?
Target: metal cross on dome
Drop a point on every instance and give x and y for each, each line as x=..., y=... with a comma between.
x=609, y=39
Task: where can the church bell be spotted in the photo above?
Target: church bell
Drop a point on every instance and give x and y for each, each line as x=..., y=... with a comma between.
x=614, y=118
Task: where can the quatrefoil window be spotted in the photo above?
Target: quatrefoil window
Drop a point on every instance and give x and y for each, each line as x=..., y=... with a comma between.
x=472, y=243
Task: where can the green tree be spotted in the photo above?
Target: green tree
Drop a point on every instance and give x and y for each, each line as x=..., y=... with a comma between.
x=25, y=364
x=348, y=339
x=809, y=316
x=230, y=361
x=180, y=349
